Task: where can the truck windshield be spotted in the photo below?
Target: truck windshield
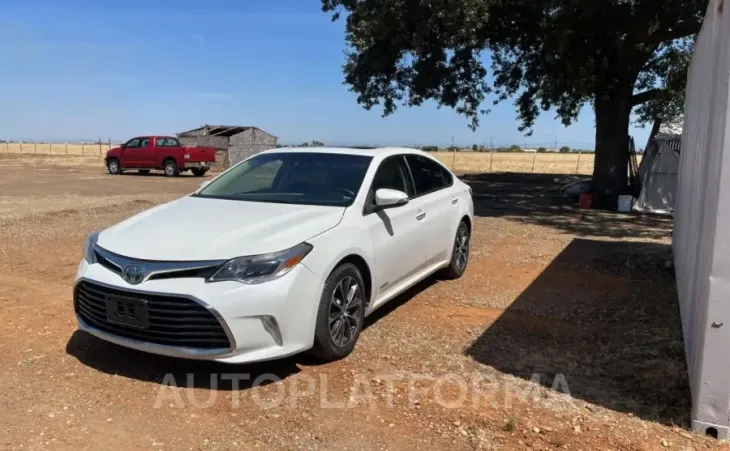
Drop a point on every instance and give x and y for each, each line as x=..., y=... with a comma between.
x=294, y=178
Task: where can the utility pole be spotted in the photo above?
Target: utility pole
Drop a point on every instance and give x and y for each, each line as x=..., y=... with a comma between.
x=556, y=143
x=453, y=150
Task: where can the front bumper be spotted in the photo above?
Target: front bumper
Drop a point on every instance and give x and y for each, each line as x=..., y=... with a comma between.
x=263, y=322
x=199, y=165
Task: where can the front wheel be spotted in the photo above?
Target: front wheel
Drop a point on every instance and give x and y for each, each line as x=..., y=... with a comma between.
x=113, y=166
x=459, y=254
x=340, y=315
x=199, y=172
x=171, y=169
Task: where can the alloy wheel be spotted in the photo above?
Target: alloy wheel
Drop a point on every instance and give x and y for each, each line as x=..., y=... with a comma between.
x=345, y=311
x=461, y=248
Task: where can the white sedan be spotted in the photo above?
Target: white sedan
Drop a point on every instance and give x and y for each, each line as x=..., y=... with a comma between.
x=284, y=252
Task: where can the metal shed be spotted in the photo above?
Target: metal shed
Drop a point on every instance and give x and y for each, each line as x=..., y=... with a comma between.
x=236, y=142
x=701, y=241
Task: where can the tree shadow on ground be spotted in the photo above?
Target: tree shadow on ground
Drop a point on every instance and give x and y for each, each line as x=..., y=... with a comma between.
x=604, y=314
x=536, y=199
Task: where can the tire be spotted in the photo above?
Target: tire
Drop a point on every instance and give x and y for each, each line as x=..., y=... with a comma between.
x=170, y=168
x=330, y=342
x=113, y=166
x=459, y=254
x=144, y=171
x=199, y=172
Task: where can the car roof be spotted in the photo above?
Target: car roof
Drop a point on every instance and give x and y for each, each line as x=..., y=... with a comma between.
x=374, y=152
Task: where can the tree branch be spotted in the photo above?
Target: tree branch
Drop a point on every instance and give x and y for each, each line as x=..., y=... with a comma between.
x=643, y=97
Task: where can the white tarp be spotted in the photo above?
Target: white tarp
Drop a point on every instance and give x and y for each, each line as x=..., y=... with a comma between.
x=701, y=241
x=658, y=176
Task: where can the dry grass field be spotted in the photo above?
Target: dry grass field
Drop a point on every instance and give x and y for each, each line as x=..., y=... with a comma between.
x=578, y=297
x=74, y=149
x=538, y=163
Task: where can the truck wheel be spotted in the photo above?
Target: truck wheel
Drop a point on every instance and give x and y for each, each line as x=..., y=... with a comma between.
x=113, y=166
x=171, y=169
x=199, y=172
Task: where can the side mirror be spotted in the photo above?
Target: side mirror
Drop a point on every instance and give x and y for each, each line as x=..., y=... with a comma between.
x=389, y=198
x=204, y=184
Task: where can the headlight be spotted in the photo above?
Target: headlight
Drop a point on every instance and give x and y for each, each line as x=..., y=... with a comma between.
x=261, y=268
x=89, y=244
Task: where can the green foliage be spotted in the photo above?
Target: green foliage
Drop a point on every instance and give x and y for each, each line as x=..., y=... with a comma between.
x=564, y=149
x=475, y=147
x=546, y=54
x=541, y=149
x=430, y=148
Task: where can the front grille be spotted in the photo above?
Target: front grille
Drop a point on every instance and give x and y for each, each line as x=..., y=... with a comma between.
x=173, y=320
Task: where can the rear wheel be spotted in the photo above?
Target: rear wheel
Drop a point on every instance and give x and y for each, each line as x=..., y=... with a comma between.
x=460, y=253
x=171, y=169
x=113, y=166
x=144, y=171
x=199, y=172
x=341, y=314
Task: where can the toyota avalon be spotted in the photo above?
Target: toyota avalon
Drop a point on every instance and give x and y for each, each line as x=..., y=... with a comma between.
x=285, y=252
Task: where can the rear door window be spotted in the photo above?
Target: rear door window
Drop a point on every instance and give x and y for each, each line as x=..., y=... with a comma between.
x=428, y=176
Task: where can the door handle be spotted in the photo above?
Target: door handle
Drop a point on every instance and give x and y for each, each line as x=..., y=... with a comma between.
x=455, y=201
x=421, y=216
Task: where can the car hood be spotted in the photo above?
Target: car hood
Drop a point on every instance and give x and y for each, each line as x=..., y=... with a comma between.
x=196, y=228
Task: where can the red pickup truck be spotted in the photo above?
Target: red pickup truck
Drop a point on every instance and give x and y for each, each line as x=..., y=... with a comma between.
x=145, y=153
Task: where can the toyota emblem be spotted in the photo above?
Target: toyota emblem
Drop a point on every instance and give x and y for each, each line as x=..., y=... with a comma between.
x=133, y=274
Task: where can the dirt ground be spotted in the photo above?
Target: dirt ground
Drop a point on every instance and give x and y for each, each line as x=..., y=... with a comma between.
x=564, y=333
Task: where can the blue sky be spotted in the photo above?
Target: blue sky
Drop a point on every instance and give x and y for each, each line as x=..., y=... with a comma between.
x=90, y=69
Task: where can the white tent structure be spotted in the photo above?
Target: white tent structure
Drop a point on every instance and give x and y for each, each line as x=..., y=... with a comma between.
x=658, y=171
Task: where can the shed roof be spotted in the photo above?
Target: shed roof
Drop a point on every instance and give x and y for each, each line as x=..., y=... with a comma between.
x=218, y=130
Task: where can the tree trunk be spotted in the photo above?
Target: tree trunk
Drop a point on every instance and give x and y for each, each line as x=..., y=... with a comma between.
x=610, y=171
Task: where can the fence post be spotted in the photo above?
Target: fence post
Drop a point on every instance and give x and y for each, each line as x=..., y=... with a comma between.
x=21, y=146
x=7, y=147
x=82, y=149
x=50, y=148
x=35, y=146
x=99, y=146
x=66, y=145
x=534, y=157
x=577, y=165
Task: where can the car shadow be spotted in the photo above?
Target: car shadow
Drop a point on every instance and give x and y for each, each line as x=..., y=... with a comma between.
x=605, y=316
x=117, y=360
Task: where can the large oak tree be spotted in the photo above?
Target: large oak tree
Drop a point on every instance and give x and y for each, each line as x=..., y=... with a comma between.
x=621, y=56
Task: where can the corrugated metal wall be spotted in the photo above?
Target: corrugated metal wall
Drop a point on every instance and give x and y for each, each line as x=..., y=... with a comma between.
x=249, y=143
x=702, y=225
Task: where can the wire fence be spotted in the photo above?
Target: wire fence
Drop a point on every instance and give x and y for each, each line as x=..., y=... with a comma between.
x=490, y=159
x=97, y=149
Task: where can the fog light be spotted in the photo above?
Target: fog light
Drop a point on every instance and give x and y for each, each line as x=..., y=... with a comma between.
x=272, y=327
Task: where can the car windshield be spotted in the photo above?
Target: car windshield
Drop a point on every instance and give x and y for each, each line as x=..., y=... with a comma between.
x=294, y=178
